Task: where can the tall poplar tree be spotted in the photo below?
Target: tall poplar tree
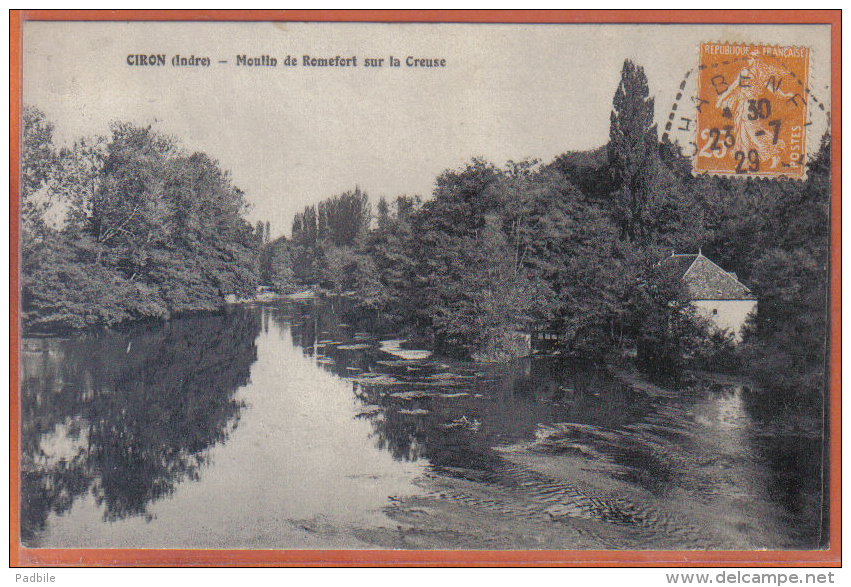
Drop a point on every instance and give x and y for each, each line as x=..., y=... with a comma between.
x=632, y=138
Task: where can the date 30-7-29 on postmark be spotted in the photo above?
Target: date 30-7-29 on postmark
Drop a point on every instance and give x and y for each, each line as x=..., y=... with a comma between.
x=752, y=103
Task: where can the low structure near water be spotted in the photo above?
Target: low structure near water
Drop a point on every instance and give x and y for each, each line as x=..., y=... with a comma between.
x=717, y=295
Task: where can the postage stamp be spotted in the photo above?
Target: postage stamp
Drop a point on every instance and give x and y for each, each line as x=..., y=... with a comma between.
x=752, y=110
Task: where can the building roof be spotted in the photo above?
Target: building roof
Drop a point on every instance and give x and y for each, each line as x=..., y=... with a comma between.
x=705, y=280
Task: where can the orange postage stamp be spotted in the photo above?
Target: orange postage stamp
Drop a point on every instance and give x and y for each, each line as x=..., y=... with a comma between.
x=752, y=110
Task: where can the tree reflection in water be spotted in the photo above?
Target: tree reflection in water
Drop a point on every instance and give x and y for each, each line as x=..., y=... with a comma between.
x=128, y=416
x=454, y=413
x=455, y=417
x=715, y=442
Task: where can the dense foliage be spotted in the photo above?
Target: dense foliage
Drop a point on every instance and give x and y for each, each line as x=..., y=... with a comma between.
x=574, y=246
x=788, y=348
x=127, y=227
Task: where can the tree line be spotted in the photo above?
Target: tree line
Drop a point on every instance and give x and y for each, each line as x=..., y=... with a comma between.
x=574, y=244
x=126, y=227
x=130, y=226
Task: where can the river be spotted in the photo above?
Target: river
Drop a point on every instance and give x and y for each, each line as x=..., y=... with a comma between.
x=279, y=426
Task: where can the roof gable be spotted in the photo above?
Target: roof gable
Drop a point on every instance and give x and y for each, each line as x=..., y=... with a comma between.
x=705, y=280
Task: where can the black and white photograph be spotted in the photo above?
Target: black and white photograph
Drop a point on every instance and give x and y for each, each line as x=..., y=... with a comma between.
x=425, y=286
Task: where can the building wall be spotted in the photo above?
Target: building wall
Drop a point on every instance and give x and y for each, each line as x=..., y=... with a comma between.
x=729, y=314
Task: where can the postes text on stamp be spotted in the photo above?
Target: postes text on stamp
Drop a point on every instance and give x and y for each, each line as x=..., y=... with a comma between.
x=752, y=110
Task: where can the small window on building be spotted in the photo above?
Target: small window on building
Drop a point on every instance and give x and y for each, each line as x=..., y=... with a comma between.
x=715, y=311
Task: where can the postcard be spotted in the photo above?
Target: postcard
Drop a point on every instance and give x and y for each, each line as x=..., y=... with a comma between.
x=425, y=288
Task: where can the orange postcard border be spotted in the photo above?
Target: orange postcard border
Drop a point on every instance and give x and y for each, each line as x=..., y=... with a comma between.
x=20, y=556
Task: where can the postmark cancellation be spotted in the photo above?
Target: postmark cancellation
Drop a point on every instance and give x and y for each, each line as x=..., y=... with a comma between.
x=751, y=110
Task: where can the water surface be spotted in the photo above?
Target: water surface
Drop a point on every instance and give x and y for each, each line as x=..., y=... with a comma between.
x=283, y=427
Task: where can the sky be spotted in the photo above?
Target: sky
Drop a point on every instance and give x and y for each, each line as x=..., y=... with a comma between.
x=292, y=136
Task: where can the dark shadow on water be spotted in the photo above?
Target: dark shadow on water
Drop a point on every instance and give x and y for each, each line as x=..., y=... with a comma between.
x=453, y=413
x=127, y=416
x=703, y=438
x=791, y=444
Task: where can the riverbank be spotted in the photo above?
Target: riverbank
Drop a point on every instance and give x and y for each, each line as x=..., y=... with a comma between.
x=412, y=450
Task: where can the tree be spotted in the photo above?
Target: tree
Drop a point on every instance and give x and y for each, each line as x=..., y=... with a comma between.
x=147, y=231
x=204, y=220
x=589, y=171
x=276, y=266
x=282, y=278
x=345, y=218
x=673, y=217
x=787, y=345
x=38, y=162
x=383, y=281
x=468, y=286
x=632, y=137
x=383, y=216
x=38, y=154
x=572, y=247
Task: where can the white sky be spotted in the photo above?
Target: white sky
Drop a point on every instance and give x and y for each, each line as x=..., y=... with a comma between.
x=292, y=136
